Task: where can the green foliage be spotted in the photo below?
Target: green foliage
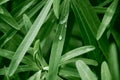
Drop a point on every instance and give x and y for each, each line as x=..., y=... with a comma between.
x=105, y=72
x=107, y=18
x=84, y=71
x=59, y=39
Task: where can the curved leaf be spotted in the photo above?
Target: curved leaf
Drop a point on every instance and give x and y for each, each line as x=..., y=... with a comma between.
x=84, y=71
x=19, y=54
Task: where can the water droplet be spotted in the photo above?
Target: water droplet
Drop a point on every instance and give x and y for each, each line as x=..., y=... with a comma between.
x=60, y=37
x=65, y=25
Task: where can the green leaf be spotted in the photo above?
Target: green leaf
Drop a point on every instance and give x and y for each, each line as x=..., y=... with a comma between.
x=113, y=62
x=4, y=27
x=40, y=61
x=25, y=7
x=36, y=8
x=19, y=54
x=76, y=52
x=56, y=52
x=64, y=11
x=7, y=17
x=87, y=14
x=56, y=6
x=84, y=71
x=106, y=19
x=116, y=37
x=6, y=37
x=47, y=47
x=68, y=71
x=1, y=10
x=3, y=1
x=22, y=68
x=114, y=26
x=100, y=9
x=106, y=2
x=9, y=55
x=57, y=46
x=88, y=22
x=47, y=36
x=105, y=72
x=87, y=61
x=27, y=23
x=5, y=71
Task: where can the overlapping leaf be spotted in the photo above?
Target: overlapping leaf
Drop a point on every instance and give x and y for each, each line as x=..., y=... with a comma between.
x=57, y=46
x=19, y=54
x=84, y=71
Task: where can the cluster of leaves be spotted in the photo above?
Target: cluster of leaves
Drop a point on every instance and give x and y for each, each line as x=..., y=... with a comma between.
x=59, y=39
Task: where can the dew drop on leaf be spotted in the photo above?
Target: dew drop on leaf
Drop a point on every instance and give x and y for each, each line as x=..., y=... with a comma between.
x=60, y=37
x=65, y=26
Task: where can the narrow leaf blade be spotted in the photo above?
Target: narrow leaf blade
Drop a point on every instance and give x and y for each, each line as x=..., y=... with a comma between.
x=3, y=1
x=113, y=62
x=56, y=5
x=19, y=54
x=76, y=52
x=105, y=72
x=107, y=19
x=84, y=71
